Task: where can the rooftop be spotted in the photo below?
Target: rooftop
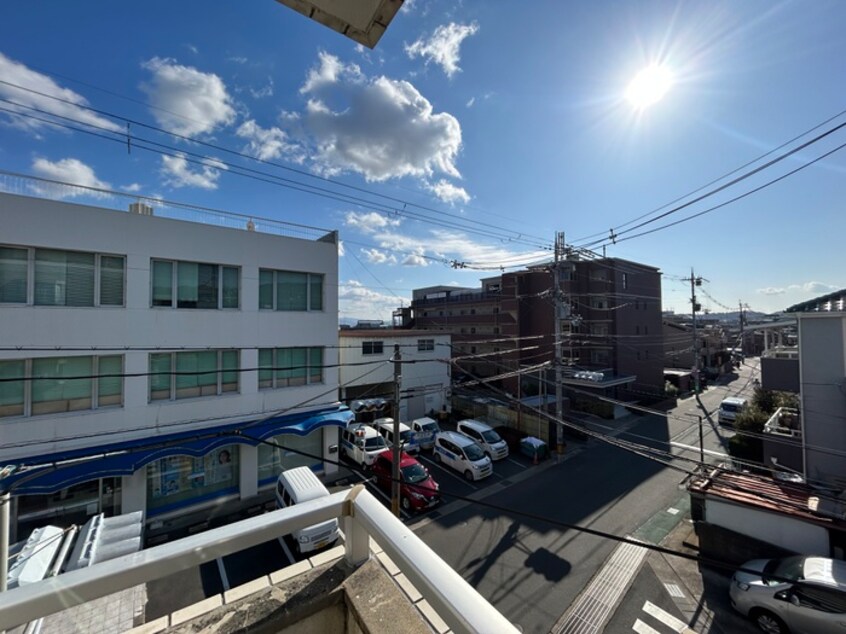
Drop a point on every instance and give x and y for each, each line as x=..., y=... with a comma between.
x=832, y=302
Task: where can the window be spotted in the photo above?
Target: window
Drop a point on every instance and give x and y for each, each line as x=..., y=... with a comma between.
x=178, y=375
x=625, y=281
x=599, y=357
x=599, y=304
x=290, y=290
x=371, y=347
x=194, y=285
x=60, y=384
x=425, y=345
x=287, y=367
x=182, y=480
x=60, y=278
x=293, y=451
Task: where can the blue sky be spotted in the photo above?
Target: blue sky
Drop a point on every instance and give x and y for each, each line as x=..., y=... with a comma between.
x=484, y=126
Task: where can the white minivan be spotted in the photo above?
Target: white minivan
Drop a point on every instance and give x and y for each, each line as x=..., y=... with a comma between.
x=361, y=444
x=490, y=441
x=385, y=426
x=298, y=485
x=729, y=409
x=424, y=430
x=462, y=454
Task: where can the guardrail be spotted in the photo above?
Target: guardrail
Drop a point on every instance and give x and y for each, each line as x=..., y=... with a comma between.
x=362, y=516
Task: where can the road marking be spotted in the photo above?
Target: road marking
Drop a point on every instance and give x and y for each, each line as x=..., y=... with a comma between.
x=674, y=590
x=677, y=625
x=222, y=570
x=519, y=464
x=642, y=628
x=449, y=472
x=710, y=452
x=286, y=549
x=673, y=511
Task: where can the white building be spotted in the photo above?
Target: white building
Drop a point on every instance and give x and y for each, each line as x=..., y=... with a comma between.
x=367, y=373
x=154, y=339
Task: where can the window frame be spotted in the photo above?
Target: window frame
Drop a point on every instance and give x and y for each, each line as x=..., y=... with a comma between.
x=373, y=347
x=311, y=298
x=220, y=288
x=425, y=345
x=309, y=376
x=173, y=389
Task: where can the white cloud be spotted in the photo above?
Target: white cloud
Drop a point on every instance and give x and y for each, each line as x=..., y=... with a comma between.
x=269, y=143
x=356, y=300
x=408, y=6
x=369, y=222
x=375, y=256
x=265, y=91
x=443, y=47
x=68, y=170
x=132, y=188
x=415, y=259
x=806, y=287
x=819, y=287
x=192, y=48
x=470, y=102
x=237, y=59
x=342, y=251
x=449, y=193
x=380, y=128
x=771, y=290
x=185, y=100
x=179, y=173
x=16, y=73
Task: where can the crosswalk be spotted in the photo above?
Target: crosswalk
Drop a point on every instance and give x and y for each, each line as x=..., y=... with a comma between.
x=664, y=622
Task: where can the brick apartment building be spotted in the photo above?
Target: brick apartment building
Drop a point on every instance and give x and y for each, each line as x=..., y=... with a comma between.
x=611, y=327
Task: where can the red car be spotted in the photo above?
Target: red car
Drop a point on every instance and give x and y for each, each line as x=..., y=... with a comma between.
x=418, y=491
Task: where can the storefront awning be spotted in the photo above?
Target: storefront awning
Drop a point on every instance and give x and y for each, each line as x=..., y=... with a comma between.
x=53, y=472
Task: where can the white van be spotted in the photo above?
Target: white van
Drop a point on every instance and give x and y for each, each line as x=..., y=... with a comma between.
x=361, y=444
x=385, y=426
x=490, y=441
x=424, y=431
x=298, y=485
x=462, y=454
x=729, y=409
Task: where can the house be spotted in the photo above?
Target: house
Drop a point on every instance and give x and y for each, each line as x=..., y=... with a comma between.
x=135, y=346
x=367, y=374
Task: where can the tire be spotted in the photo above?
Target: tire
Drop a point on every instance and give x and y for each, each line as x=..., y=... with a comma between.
x=468, y=475
x=406, y=504
x=769, y=623
x=437, y=457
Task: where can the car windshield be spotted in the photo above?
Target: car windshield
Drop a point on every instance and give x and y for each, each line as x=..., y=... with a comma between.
x=789, y=568
x=412, y=474
x=407, y=436
x=376, y=442
x=729, y=407
x=474, y=452
x=491, y=436
x=433, y=427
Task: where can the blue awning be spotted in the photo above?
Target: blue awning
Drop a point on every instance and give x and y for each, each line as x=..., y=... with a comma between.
x=59, y=471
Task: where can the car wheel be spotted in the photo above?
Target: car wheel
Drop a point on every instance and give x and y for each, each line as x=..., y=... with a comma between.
x=406, y=504
x=468, y=475
x=438, y=458
x=769, y=623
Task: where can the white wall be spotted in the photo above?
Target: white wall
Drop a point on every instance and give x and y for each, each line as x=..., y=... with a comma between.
x=773, y=528
x=34, y=222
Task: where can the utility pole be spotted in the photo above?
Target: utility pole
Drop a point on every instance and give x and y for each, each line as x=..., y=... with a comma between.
x=395, y=472
x=694, y=308
x=740, y=317
x=559, y=313
x=5, y=503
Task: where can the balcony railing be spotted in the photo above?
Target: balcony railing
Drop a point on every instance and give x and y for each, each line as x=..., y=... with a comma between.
x=362, y=516
x=785, y=421
x=782, y=352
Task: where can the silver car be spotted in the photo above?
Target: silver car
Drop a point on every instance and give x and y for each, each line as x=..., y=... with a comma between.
x=801, y=595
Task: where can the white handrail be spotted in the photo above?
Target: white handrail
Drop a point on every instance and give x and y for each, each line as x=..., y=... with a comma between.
x=462, y=608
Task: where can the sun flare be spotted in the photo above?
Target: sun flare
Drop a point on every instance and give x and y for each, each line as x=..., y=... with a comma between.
x=649, y=86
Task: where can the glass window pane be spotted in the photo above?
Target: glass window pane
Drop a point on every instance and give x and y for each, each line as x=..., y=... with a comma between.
x=13, y=267
x=186, y=384
x=52, y=392
x=162, y=283
x=80, y=279
x=265, y=360
x=111, y=280
x=316, y=292
x=265, y=288
x=315, y=365
x=177, y=480
x=273, y=460
x=110, y=388
x=299, y=366
x=229, y=380
x=231, y=277
x=50, y=277
x=187, y=289
x=160, y=368
x=207, y=286
x=283, y=366
x=291, y=290
x=12, y=392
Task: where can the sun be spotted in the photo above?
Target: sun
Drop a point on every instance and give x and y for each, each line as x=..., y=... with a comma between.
x=649, y=86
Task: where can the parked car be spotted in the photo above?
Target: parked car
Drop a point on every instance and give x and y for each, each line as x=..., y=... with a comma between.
x=361, y=444
x=729, y=409
x=424, y=430
x=462, y=454
x=494, y=447
x=385, y=426
x=801, y=595
x=418, y=490
x=298, y=485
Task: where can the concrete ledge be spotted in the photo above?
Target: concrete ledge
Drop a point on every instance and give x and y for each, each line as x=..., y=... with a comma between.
x=251, y=587
x=196, y=610
x=407, y=587
x=327, y=556
x=289, y=572
x=433, y=617
x=389, y=564
x=153, y=627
